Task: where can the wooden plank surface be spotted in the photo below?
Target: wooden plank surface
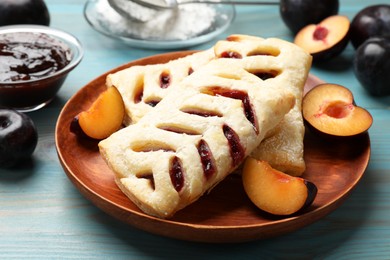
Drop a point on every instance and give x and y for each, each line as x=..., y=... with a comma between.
x=43, y=216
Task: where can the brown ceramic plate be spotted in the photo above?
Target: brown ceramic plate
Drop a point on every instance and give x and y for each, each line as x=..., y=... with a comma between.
x=225, y=214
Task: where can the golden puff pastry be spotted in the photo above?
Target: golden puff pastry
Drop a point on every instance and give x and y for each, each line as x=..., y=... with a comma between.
x=280, y=61
x=198, y=134
x=143, y=87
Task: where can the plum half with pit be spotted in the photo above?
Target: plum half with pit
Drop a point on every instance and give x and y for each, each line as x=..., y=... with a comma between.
x=372, y=66
x=24, y=12
x=372, y=21
x=326, y=39
x=296, y=14
x=330, y=111
x=18, y=137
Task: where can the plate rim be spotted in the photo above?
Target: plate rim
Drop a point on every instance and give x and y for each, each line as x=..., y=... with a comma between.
x=310, y=216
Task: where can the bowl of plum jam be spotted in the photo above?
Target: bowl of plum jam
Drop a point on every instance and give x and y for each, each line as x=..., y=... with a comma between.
x=34, y=63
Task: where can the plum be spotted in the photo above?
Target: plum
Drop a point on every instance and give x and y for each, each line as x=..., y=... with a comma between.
x=330, y=110
x=276, y=192
x=326, y=39
x=371, y=65
x=296, y=14
x=24, y=12
x=102, y=118
x=18, y=137
x=372, y=21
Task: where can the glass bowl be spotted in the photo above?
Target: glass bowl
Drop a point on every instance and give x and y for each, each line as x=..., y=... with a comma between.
x=31, y=93
x=199, y=23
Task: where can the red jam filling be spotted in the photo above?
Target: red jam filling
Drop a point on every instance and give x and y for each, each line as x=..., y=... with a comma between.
x=165, y=80
x=237, y=152
x=206, y=158
x=176, y=174
x=231, y=54
x=241, y=95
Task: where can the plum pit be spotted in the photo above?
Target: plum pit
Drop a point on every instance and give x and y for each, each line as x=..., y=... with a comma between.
x=320, y=33
x=338, y=109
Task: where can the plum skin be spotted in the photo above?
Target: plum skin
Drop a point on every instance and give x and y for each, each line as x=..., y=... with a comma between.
x=371, y=66
x=24, y=12
x=296, y=14
x=18, y=137
x=372, y=21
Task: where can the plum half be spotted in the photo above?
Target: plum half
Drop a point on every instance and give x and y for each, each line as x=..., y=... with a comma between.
x=326, y=39
x=276, y=192
x=296, y=14
x=330, y=109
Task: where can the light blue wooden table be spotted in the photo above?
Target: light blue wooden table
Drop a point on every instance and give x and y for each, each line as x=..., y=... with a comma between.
x=43, y=216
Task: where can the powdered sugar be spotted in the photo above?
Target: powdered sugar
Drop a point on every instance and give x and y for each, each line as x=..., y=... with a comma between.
x=183, y=23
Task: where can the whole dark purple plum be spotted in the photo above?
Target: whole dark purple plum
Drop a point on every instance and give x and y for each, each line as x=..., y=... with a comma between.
x=18, y=137
x=372, y=66
x=372, y=21
x=298, y=13
x=24, y=12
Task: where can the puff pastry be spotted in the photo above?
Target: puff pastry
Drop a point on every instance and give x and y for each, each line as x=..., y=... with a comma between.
x=195, y=136
x=142, y=87
x=283, y=149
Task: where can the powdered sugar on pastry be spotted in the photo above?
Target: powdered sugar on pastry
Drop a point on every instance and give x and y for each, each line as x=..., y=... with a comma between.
x=281, y=61
x=197, y=135
x=142, y=87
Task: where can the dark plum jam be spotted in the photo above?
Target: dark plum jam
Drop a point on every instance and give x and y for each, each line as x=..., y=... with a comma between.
x=206, y=157
x=176, y=174
x=237, y=151
x=29, y=56
x=31, y=69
